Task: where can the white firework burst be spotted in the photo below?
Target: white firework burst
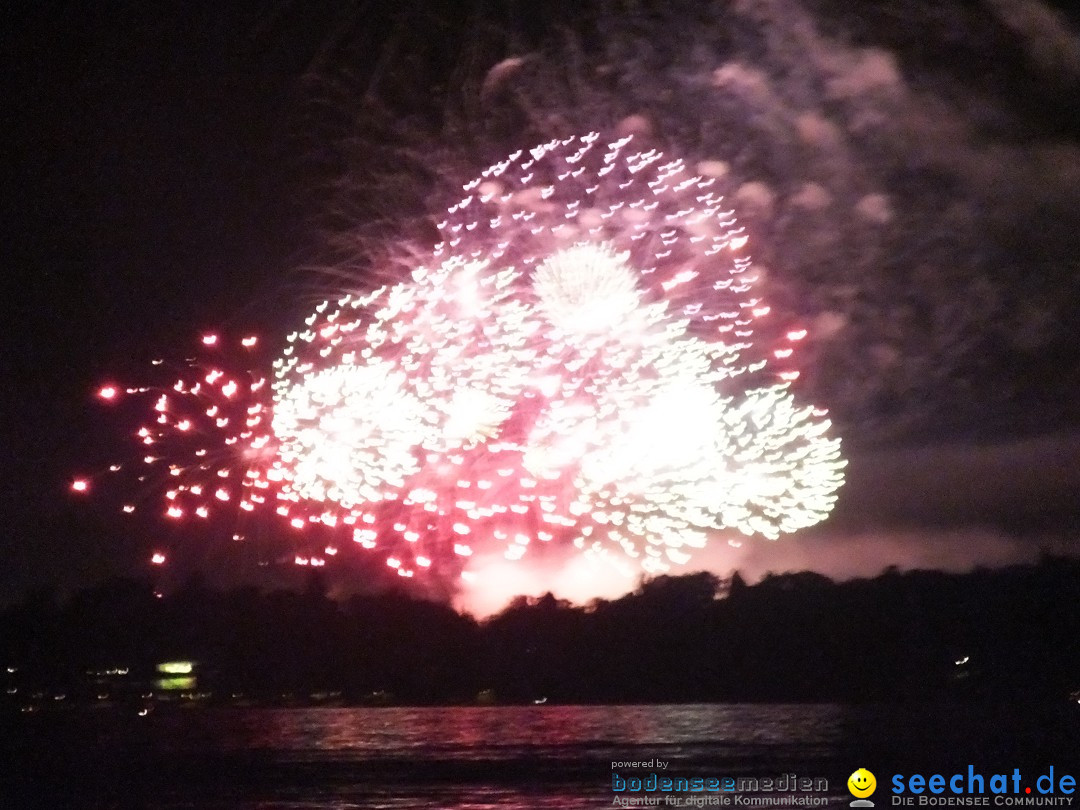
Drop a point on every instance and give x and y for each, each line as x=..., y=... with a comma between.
x=578, y=364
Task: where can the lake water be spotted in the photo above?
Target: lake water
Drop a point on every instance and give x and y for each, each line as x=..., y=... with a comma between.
x=473, y=758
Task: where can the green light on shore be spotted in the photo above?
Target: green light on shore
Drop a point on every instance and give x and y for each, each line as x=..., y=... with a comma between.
x=176, y=667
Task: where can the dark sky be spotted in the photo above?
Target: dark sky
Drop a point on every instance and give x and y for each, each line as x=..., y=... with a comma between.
x=146, y=199
x=911, y=175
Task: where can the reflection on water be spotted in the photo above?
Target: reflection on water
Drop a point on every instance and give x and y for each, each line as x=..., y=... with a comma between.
x=459, y=757
x=503, y=732
x=469, y=758
x=478, y=757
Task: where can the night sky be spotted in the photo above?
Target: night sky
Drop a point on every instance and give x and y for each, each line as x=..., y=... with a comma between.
x=909, y=173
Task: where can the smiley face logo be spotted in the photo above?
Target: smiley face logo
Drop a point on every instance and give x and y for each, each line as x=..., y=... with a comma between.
x=862, y=783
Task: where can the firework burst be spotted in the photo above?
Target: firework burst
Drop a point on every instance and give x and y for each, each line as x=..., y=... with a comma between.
x=581, y=362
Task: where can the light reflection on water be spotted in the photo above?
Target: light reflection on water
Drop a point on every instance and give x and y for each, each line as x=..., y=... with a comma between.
x=469, y=758
x=503, y=731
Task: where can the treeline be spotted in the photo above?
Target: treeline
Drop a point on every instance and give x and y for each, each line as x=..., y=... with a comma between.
x=792, y=637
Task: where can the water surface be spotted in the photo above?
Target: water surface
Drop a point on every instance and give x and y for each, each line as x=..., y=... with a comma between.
x=470, y=758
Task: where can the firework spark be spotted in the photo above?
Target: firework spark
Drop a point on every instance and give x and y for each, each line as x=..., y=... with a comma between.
x=580, y=363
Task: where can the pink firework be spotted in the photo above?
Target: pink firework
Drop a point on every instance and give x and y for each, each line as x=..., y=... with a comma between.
x=578, y=364
x=207, y=431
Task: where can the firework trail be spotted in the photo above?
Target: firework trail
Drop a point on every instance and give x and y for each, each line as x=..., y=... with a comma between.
x=583, y=360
